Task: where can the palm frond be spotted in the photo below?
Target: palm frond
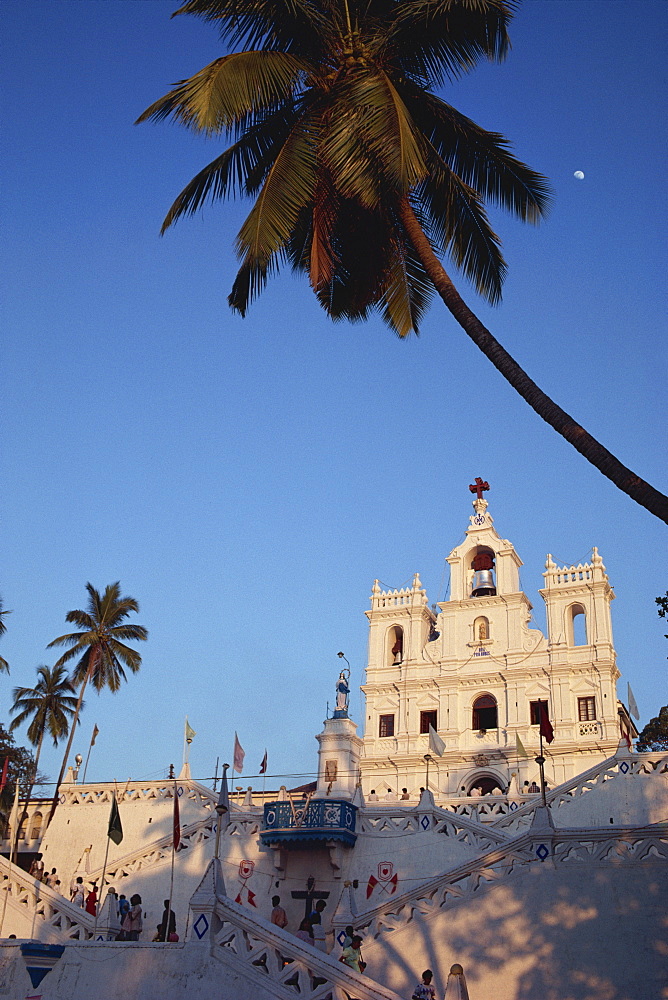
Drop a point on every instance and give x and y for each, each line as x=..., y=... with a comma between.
x=48, y=705
x=454, y=217
x=371, y=138
x=81, y=618
x=433, y=41
x=408, y=291
x=242, y=167
x=3, y=612
x=230, y=91
x=360, y=241
x=322, y=257
x=288, y=188
x=480, y=158
x=289, y=25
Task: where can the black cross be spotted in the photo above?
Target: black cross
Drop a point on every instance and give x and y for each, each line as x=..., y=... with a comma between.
x=309, y=896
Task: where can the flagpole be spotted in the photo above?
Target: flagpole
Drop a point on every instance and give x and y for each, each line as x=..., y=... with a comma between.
x=220, y=809
x=11, y=854
x=541, y=764
x=98, y=906
x=92, y=742
x=234, y=768
x=171, y=877
x=185, y=742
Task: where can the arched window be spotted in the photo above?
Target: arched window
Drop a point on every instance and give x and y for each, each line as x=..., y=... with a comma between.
x=395, y=645
x=36, y=827
x=576, y=625
x=485, y=712
x=486, y=783
x=481, y=629
x=23, y=827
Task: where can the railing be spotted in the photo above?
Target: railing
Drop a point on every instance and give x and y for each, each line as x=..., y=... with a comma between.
x=136, y=791
x=560, y=576
x=414, y=596
x=393, y=823
x=160, y=851
x=265, y=954
x=626, y=764
x=605, y=846
x=53, y=918
x=317, y=819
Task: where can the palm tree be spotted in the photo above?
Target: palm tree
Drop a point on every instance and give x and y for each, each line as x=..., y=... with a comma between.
x=362, y=177
x=50, y=706
x=100, y=649
x=3, y=628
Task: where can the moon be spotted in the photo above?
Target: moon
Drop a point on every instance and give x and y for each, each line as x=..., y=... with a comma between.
x=579, y=175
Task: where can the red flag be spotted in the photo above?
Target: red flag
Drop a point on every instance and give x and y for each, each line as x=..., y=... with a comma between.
x=263, y=765
x=371, y=885
x=239, y=754
x=3, y=779
x=177, y=821
x=546, y=730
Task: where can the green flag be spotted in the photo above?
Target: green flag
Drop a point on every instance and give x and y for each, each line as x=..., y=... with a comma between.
x=190, y=732
x=115, y=831
x=521, y=752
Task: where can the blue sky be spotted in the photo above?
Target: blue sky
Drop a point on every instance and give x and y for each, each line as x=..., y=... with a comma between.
x=247, y=479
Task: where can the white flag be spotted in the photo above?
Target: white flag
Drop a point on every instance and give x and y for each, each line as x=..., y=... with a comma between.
x=436, y=744
x=14, y=815
x=239, y=754
x=633, y=708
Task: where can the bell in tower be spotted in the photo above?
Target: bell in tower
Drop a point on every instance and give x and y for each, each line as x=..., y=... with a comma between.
x=483, y=584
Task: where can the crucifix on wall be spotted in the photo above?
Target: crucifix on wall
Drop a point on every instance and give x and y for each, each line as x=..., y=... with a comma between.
x=309, y=895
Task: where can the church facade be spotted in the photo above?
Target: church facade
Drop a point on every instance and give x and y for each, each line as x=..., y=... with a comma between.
x=474, y=672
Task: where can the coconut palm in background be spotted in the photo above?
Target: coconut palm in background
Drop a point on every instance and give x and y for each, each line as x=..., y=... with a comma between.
x=49, y=706
x=99, y=649
x=3, y=628
x=362, y=176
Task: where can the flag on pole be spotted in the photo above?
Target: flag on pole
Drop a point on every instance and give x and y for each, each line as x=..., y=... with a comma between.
x=190, y=732
x=263, y=765
x=3, y=779
x=96, y=733
x=115, y=829
x=519, y=746
x=546, y=730
x=239, y=754
x=633, y=707
x=436, y=744
x=177, y=820
x=14, y=816
x=223, y=804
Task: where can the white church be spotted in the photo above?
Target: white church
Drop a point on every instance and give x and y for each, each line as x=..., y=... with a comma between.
x=490, y=820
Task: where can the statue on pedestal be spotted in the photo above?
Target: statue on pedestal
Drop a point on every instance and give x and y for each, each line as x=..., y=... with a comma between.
x=342, y=691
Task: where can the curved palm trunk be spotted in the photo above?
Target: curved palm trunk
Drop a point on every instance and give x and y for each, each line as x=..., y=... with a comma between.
x=24, y=814
x=562, y=422
x=75, y=719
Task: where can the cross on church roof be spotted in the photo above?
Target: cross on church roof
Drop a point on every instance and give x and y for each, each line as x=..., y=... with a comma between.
x=478, y=487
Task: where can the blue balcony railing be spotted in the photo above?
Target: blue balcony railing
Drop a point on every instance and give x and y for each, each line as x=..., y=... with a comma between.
x=316, y=821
